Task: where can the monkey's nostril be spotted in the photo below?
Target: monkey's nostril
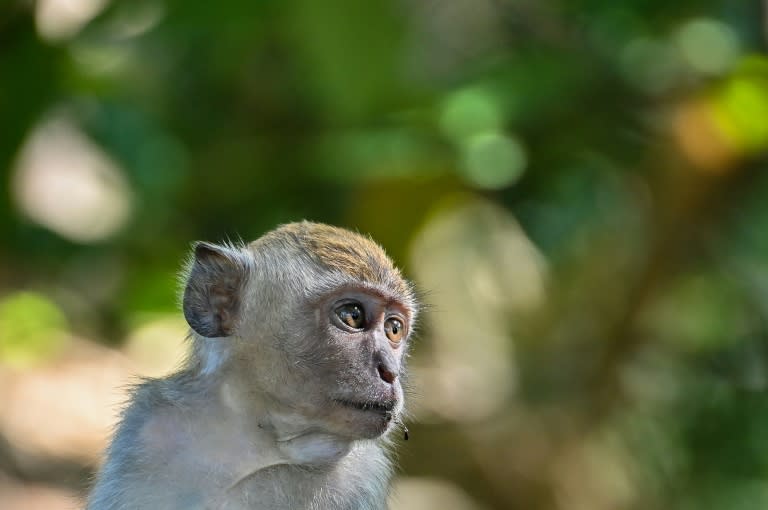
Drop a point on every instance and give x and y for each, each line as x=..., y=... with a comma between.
x=386, y=375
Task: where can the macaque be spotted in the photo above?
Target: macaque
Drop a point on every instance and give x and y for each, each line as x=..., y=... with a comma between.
x=292, y=387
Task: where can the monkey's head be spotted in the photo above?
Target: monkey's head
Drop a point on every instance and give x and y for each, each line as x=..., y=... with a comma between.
x=311, y=319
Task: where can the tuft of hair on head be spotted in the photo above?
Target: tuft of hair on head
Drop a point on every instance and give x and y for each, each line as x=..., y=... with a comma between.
x=342, y=251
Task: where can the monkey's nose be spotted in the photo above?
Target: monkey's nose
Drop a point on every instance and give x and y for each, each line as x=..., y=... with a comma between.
x=386, y=374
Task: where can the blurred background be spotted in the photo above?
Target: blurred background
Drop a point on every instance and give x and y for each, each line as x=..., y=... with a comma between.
x=580, y=187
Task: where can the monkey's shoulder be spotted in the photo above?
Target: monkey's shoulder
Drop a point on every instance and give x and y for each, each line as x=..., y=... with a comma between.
x=164, y=433
x=154, y=418
x=149, y=436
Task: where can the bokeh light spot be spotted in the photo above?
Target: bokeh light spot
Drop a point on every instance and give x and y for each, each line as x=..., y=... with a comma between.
x=708, y=45
x=493, y=160
x=741, y=111
x=66, y=183
x=61, y=19
x=700, y=139
x=32, y=329
x=492, y=273
x=468, y=112
x=158, y=346
x=136, y=18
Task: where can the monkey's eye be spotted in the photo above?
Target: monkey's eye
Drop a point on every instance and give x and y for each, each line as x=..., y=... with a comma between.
x=394, y=330
x=352, y=315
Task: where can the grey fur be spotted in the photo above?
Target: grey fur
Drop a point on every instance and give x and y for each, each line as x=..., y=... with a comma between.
x=261, y=415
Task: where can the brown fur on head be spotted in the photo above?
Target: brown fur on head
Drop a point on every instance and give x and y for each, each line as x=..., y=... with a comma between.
x=340, y=250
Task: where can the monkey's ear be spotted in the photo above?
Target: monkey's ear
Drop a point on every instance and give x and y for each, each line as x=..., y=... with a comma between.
x=212, y=294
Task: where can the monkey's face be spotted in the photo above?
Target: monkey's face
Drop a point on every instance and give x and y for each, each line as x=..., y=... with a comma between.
x=348, y=370
x=366, y=333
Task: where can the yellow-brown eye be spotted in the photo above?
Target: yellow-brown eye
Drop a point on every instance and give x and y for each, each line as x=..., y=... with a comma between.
x=394, y=330
x=352, y=315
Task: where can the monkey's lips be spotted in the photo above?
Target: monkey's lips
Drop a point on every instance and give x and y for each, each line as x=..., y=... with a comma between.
x=385, y=407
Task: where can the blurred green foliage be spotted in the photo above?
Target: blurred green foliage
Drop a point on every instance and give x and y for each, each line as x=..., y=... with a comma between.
x=628, y=139
x=30, y=327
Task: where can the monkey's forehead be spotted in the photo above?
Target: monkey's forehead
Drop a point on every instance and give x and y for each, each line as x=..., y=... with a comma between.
x=338, y=250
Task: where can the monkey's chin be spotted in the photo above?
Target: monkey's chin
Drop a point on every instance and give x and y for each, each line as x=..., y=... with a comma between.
x=365, y=420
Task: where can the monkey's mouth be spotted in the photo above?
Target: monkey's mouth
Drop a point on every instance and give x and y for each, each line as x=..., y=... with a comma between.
x=386, y=407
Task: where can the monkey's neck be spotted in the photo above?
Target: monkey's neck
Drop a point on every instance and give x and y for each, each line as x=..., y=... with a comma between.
x=280, y=435
x=309, y=446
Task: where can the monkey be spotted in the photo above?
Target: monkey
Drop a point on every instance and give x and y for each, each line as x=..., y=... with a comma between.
x=291, y=388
